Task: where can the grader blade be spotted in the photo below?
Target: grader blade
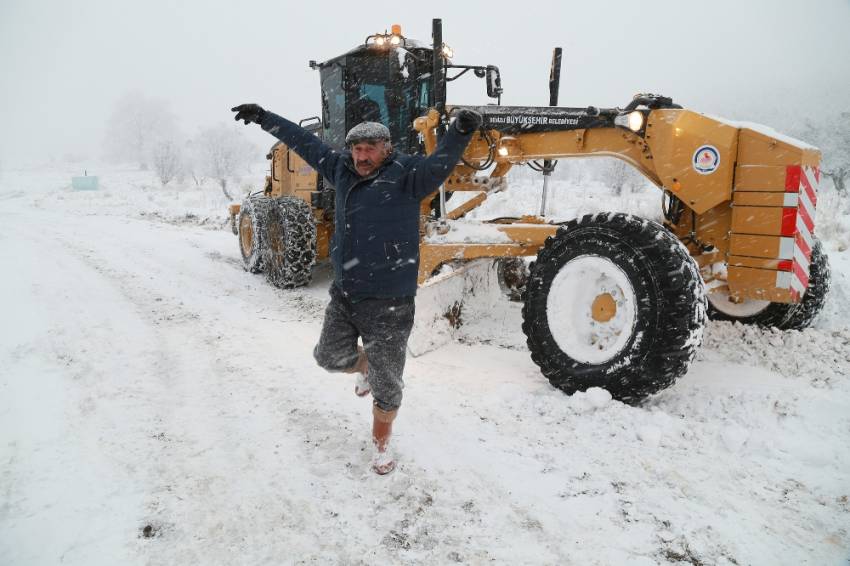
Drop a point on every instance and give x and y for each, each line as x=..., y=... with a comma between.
x=449, y=300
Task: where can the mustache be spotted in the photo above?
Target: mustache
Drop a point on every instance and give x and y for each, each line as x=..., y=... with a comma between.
x=364, y=162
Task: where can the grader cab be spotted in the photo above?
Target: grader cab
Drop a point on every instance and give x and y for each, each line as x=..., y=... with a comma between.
x=610, y=300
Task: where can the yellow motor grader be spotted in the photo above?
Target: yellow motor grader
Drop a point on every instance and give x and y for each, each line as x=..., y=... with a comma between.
x=610, y=300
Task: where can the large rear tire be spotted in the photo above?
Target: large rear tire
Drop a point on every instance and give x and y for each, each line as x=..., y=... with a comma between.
x=614, y=301
x=253, y=216
x=784, y=316
x=290, y=243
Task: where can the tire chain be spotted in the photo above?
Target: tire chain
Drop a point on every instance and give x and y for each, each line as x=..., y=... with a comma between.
x=297, y=226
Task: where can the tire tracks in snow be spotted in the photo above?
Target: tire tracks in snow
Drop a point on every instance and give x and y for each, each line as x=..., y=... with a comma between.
x=212, y=420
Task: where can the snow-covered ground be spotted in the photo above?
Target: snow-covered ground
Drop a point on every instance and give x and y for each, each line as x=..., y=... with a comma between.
x=158, y=405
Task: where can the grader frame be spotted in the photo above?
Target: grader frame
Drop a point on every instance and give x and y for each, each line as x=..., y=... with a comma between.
x=753, y=212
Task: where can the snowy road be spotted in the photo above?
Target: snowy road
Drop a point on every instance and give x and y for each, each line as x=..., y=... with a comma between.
x=148, y=381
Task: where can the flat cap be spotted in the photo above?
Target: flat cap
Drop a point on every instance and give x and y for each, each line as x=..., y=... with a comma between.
x=367, y=131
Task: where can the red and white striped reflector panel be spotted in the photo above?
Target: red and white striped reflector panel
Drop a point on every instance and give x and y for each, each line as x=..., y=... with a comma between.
x=798, y=222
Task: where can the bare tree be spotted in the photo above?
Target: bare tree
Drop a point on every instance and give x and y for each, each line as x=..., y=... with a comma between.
x=166, y=159
x=616, y=174
x=136, y=122
x=223, y=153
x=192, y=163
x=836, y=158
x=832, y=135
x=576, y=169
x=571, y=169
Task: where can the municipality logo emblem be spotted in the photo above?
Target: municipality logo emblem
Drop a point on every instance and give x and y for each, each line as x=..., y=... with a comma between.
x=706, y=160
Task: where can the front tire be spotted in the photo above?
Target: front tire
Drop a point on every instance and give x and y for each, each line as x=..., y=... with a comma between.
x=290, y=243
x=253, y=216
x=784, y=316
x=614, y=301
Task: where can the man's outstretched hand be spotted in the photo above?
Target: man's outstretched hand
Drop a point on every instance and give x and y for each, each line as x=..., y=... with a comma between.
x=249, y=113
x=467, y=121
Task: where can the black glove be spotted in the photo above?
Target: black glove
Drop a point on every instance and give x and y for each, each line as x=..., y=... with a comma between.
x=467, y=121
x=249, y=113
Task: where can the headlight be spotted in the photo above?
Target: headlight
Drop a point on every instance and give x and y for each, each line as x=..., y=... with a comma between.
x=509, y=147
x=447, y=52
x=395, y=40
x=380, y=40
x=635, y=121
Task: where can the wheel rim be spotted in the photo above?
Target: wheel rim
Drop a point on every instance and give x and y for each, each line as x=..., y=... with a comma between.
x=591, y=309
x=246, y=235
x=722, y=301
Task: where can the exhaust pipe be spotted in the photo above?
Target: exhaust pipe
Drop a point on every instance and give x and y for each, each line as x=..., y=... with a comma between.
x=554, y=86
x=438, y=73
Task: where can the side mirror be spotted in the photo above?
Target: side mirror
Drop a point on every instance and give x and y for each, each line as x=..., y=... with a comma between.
x=494, y=82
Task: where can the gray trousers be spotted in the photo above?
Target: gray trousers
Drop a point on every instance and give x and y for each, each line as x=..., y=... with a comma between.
x=384, y=326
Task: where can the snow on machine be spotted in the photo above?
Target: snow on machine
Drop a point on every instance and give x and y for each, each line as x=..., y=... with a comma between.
x=611, y=300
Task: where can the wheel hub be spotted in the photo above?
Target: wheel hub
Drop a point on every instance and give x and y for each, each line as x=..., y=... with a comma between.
x=604, y=308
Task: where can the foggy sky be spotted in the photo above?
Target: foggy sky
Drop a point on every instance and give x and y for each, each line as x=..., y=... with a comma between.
x=64, y=64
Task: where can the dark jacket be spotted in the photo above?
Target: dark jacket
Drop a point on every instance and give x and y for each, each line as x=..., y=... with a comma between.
x=375, y=246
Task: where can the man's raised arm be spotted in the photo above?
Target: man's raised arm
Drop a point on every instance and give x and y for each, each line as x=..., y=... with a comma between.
x=430, y=172
x=319, y=155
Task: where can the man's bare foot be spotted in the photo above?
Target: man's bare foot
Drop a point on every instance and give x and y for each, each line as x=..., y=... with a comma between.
x=361, y=386
x=382, y=426
x=383, y=462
